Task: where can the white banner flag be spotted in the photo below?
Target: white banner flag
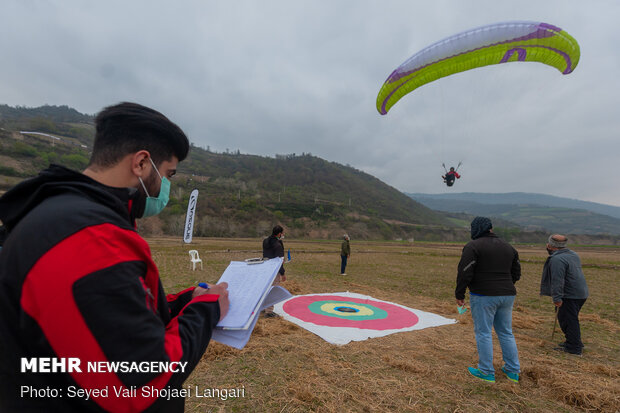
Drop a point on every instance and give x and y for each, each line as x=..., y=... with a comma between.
x=189, y=217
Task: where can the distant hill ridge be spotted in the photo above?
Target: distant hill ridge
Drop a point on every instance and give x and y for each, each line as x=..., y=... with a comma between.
x=56, y=113
x=245, y=195
x=529, y=199
x=531, y=211
x=54, y=120
x=240, y=195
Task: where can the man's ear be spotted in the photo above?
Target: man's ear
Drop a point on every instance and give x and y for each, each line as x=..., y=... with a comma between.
x=140, y=164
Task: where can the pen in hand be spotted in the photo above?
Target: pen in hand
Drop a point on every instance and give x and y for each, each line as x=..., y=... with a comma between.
x=198, y=291
x=220, y=289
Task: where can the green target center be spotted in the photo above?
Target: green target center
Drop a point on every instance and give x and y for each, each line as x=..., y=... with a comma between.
x=348, y=310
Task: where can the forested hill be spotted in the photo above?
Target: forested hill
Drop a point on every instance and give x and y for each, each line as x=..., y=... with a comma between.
x=55, y=120
x=305, y=182
x=57, y=114
x=240, y=195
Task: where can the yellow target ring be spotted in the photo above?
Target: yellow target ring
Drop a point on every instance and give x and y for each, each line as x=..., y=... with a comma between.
x=332, y=308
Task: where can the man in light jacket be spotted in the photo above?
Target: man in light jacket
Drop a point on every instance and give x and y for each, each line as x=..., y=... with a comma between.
x=563, y=280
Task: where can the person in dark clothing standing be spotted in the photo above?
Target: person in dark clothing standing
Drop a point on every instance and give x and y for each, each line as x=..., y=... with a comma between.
x=490, y=267
x=78, y=282
x=273, y=247
x=345, y=253
x=563, y=280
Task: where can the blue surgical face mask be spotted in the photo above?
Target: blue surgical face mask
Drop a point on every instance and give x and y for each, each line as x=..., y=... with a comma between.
x=154, y=205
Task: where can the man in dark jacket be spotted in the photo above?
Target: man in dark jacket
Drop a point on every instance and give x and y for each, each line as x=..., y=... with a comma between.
x=345, y=253
x=490, y=267
x=563, y=280
x=78, y=284
x=273, y=247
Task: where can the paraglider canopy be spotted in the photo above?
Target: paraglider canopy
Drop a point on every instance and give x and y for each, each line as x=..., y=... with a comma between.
x=487, y=45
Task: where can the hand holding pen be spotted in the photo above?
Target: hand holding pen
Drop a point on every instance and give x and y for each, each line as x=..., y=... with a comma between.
x=220, y=289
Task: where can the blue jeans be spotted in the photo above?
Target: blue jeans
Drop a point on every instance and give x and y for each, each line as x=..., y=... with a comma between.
x=491, y=312
x=343, y=263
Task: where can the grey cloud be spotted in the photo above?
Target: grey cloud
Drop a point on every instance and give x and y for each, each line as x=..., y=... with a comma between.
x=281, y=77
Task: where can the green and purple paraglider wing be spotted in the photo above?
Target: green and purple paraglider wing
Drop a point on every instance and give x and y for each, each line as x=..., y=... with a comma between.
x=487, y=45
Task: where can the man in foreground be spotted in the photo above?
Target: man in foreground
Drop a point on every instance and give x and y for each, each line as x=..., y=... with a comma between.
x=490, y=267
x=77, y=283
x=563, y=280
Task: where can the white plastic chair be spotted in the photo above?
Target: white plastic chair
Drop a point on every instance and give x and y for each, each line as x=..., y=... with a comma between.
x=194, y=258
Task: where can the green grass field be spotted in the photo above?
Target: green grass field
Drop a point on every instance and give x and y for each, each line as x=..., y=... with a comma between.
x=287, y=369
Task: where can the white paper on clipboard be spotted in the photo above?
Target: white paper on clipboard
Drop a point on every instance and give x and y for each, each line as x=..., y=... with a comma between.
x=239, y=338
x=248, y=286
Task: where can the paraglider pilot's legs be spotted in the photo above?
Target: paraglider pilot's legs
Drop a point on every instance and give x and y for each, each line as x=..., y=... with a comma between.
x=343, y=263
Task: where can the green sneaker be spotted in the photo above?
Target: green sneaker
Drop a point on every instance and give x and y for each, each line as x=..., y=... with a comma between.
x=514, y=377
x=490, y=378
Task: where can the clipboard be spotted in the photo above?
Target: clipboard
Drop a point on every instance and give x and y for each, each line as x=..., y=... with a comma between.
x=239, y=338
x=248, y=286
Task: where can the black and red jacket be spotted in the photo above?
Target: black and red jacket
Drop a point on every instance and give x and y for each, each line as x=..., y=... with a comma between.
x=76, y=280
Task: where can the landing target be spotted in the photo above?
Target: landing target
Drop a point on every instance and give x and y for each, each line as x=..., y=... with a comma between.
x=343, y=317
x=340, y=311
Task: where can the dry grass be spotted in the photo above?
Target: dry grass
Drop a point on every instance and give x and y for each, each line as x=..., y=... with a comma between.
x=287, y=369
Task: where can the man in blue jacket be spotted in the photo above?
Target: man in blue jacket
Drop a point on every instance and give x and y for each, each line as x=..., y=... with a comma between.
x=563, y=280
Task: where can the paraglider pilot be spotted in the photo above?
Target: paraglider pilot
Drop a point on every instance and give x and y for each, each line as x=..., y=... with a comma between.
x=450, y=176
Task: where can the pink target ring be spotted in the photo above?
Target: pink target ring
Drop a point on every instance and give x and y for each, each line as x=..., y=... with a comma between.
x=398, y=317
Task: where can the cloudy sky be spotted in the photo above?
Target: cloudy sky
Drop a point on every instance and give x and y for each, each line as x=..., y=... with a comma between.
x=283, y=76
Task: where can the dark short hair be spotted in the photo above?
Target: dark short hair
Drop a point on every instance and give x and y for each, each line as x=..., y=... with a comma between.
x=127, y=128
x=277, y=229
